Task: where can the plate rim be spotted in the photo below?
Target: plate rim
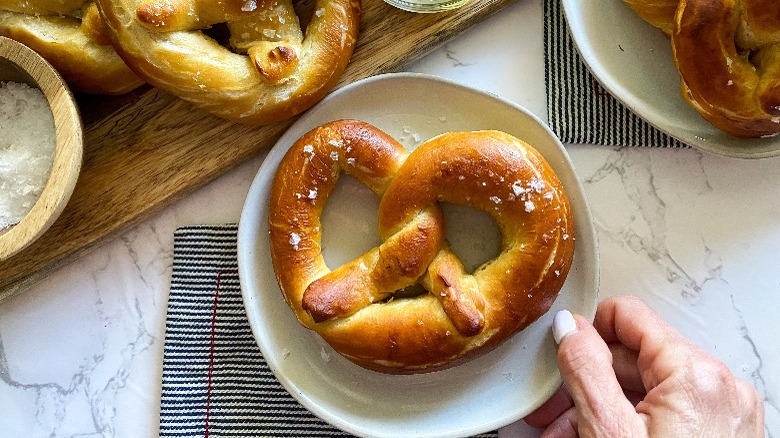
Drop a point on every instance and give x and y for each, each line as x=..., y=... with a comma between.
x=246, y=278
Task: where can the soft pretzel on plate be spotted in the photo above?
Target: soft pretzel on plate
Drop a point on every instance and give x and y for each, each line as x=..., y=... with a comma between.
x=268, y=70
x=70, y=35
x=359, y=307
x=728, y=55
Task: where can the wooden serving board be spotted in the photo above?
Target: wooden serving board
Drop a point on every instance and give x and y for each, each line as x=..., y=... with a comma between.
x=147, y=149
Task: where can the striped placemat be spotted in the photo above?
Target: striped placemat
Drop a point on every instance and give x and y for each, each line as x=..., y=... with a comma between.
x=215, y=381
x=579, y=109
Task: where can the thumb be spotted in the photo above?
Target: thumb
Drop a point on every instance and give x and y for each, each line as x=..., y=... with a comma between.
x=585, y=363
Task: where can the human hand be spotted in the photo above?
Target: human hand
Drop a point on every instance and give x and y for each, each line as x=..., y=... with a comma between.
x=633, y=374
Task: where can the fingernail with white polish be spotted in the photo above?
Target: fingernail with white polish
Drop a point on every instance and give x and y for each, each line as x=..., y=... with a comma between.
x=563, y=324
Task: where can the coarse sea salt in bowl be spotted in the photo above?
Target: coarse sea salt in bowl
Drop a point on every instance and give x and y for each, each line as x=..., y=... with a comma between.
x=41, y=146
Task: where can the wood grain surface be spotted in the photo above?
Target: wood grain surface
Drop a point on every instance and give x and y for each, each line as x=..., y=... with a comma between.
x=147, y=149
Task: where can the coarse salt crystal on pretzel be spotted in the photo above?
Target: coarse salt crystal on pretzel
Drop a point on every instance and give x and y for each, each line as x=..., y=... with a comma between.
x=355, y=307
x=70, y=35
x=267, y=70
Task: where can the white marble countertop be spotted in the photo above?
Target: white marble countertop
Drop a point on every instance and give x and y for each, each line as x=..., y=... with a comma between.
x=694, y=234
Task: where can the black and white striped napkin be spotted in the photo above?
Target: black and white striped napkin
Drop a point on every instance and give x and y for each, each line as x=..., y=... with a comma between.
x=579, y=110
x=215, y=382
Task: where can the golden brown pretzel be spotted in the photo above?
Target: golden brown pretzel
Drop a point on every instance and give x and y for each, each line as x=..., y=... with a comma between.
x=728, y=56
x=659, y=13
x=272, y=70
x=70, y=35
x=355, y=307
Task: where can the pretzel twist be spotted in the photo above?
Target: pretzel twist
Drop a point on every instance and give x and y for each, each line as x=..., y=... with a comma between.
x=728, y=55
x=267, y=70
x=357, y=308
x=71, y=35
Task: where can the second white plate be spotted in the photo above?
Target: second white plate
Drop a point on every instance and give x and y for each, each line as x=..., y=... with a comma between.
x=633, y=61
x=481, y=395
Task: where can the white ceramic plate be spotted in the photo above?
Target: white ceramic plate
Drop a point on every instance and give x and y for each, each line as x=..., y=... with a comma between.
x=633, y=61
x=481, y=395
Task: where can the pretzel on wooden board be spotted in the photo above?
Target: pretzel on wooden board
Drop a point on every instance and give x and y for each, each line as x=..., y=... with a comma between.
x=728, y=55
x=71, y=35
x=355, y=307
x=268, y=70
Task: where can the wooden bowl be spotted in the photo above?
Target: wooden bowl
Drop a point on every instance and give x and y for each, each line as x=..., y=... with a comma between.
x=19, y=63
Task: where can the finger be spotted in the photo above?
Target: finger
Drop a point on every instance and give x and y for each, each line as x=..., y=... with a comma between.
x=627, y=373
x=661, y=349
x=624, y=363
x=546, y=414
x=634, y=397
x=565, y=426
x=615, y=315
x=585, y=363
x=752, y=409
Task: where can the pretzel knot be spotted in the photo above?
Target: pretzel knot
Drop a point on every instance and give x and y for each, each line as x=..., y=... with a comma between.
x=243, y=60
x=728, y=55
x=71, y=35
x=359, y=308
